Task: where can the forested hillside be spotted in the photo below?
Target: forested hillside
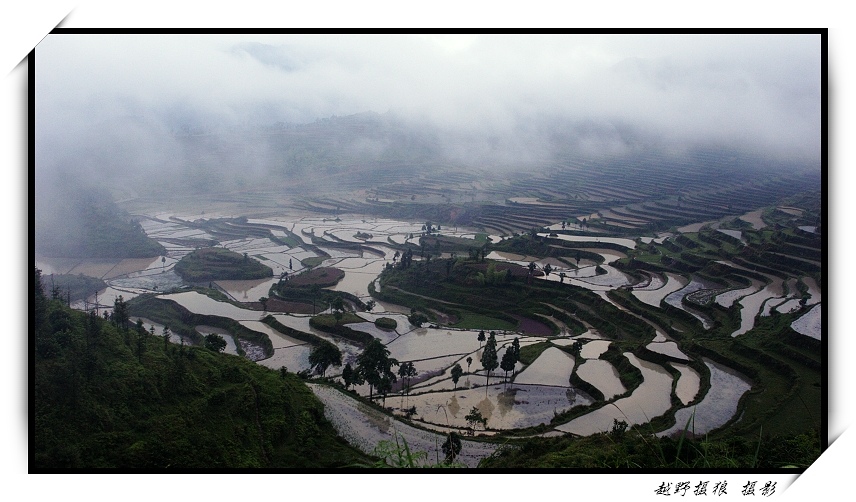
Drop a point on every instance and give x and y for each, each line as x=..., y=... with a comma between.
x=107, y=393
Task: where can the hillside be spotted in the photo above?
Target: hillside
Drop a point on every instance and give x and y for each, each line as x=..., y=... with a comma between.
x=84, y=222
x=211, y=264
x=109, y=397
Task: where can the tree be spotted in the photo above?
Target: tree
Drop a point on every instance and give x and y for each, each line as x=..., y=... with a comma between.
x=508, y=362
x=562, y=276
x=577, y=348
x=547, y=269
x=323, y=356
x=489, y=359
x=264, y=301
x=141, y=339
x=350, y=376
x=475, y=417
x=165, y=337
x=469, y=362
x=374, y=364
x=121, y=314
x=215, y=342
x=451, y=447
x=481, y=338
x=457, y=371
x=407, y=371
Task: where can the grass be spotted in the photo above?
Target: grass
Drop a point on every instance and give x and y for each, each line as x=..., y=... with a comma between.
x=312, y=261
x=470, y=320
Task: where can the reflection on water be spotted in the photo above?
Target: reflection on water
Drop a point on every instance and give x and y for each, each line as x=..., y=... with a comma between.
x=603, y=376
x=688, y=383
x=365, y=427
x=553, y=367
x=653, y=297
x=651, y=399
x=719, y=404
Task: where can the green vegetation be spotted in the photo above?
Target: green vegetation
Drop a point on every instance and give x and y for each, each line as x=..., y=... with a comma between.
x=312, y=261
x=386, y=323
x=212, y=264
x=101, y=399
x=86, y=223
x=637, y=449
x=72, y=287
x=330, y=324
x=183, y=322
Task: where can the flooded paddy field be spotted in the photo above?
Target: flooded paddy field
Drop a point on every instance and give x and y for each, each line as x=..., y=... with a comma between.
x=653, y=297
x=717, y=407
x=651, y=399
x=364, y=427
x=533, y=395
x=810, y=323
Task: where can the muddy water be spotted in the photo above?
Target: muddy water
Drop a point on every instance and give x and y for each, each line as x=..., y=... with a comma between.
x=651, y=399
x=668, y=348
x=719, y=404
x=752, y=305
x=508, y=406
x=211, y=330
x=728, y=298
x=754, y=217
x=201, y=304
x=603, y=376
x=813, y=290
x=246, y=291
x=552, y=367
x=655, y=283
x=675, y=298
x=654, y=297
x=689, y=383
x=737, y=234
x=422, y=343
x=594, y=349
x=358, y=275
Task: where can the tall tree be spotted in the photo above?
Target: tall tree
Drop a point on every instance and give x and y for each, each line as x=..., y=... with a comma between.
x=323, y=356
x=481, y=338
x=508, y=362
x=406, y=371
x=374, y=364
x=349, y=376
x=121, y=314
x=457, y=371
x=489, y=359
x=165, y=337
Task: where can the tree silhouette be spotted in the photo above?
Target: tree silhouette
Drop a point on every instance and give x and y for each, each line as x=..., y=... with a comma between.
x=489, y=359
x=215, y=342
x=508, y=362
x=451, y=447
x=323, y=356
x=406, y=371
x=374, y=364
x=481, y=338
x=457, y=371
x=475, y=417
